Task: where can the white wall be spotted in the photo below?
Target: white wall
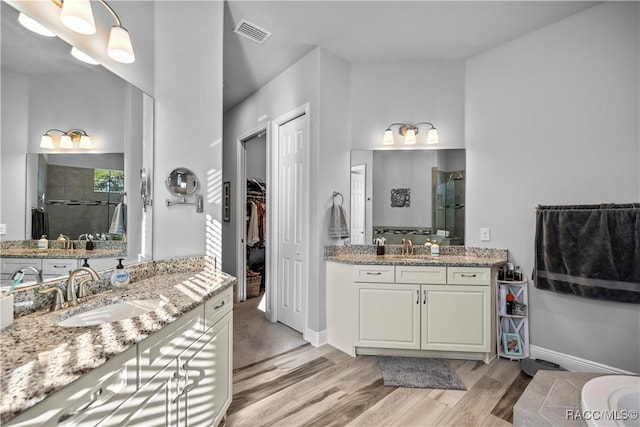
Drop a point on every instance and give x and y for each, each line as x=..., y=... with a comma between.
x=256, y=157
x=88, y=101
x=402, y=169
x=13, y=146
x=292, y=88
x=552, y=118
x=188, y=117
x=385, y=93
x=322, y=80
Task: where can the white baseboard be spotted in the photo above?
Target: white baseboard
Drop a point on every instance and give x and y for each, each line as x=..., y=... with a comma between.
x=573, y=363
x=315, y=338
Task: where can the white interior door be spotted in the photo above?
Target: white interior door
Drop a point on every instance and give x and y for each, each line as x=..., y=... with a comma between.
x=358, y=195
x=292, y=222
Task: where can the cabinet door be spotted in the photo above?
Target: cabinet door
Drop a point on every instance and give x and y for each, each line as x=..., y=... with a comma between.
x=164, y=346
x=154, y=404
x=10, y=265
x=388, y=315
x=456, y=318
x=204, y=372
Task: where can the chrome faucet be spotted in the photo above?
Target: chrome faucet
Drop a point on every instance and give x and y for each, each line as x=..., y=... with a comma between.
x=71, y=296
x=35, y=271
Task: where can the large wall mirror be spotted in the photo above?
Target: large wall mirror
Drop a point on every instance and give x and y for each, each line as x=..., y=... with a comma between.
x=44, y=87
x=408, y=194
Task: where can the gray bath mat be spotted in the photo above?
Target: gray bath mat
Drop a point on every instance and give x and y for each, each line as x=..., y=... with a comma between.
x=419, y=372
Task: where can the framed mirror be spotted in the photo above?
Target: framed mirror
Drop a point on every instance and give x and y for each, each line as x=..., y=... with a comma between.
x=181, y=182
x=435, y=181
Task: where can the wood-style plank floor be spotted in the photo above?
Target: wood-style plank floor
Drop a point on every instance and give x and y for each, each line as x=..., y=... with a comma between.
x=322, y=386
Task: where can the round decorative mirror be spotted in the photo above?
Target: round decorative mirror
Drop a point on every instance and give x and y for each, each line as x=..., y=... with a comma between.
x=181, y=182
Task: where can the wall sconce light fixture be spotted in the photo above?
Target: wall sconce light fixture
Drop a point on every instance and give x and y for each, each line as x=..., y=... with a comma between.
x=77, y=15
x=409, y=132
x=33, y=25
x=67, y=139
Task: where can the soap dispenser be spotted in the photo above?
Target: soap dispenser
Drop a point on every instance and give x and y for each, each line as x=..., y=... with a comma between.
x=43, y=243
x=120, y=277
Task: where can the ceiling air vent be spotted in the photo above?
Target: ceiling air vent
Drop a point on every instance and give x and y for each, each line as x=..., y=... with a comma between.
x=252, y=31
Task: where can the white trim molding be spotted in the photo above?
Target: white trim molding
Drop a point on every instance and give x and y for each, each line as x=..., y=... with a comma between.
x=316, y=339
x=573, y=363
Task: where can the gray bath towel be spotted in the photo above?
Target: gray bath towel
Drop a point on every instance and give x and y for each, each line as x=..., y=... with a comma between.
x=591, y=251
x=338, y=228
x=119, y=219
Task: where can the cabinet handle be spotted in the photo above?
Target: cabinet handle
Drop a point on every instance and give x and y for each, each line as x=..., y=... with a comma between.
x=215, y=307
x=424, y=294
x=417, y=296
x=373, y=274
x=94, y=397
x=59, y=266
x=468, y=275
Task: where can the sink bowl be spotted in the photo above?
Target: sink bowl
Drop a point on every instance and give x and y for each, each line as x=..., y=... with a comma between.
x=611, y=400
x=112, y=312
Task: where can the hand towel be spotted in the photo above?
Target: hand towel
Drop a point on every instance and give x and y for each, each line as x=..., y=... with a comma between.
x=338, y=228
x=119, y=219
x=39, y=223
x=590, y=251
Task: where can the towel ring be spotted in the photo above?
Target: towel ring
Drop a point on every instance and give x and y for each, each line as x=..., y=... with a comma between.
x=335, y=193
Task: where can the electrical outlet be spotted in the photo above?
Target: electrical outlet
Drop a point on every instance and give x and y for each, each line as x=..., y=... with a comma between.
x=3, y=229
x=485, y=234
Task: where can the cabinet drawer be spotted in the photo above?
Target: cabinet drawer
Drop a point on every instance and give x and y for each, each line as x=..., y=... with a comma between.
x=9, y=265
x=421, y=275
x=101, y=264
x=468, y=275
x=58, y=267
x=217, y=307
x=373, y=273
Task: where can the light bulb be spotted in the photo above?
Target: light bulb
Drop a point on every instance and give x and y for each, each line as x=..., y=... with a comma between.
x=432, y=136
x=85, y=142
x=81, y=56
x=33, y=25
x=410, y=136
x=119, y=47
x=388, y=137
x=46, y=141
x=65, y=142
x=78, y=16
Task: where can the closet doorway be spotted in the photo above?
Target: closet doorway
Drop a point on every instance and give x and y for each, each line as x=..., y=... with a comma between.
x=251, y=217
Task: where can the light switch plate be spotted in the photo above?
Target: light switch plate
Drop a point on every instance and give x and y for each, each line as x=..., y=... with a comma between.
x=485, y=234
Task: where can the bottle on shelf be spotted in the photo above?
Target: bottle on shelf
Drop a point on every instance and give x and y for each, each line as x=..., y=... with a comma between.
x=510, y=298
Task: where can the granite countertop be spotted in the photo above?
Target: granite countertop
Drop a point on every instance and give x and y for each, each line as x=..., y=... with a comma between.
x=38, y=357
x=61, y=253
x=419, y=260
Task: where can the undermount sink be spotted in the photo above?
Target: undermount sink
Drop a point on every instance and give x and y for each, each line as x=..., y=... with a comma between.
x=611, y=400
x=111, y=312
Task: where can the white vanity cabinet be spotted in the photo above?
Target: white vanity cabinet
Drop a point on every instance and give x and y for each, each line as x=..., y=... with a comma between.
x=178, y=376
x=185, y=371
x=87, y=400
x=411, y=310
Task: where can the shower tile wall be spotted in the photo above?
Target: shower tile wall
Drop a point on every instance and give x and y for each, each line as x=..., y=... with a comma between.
x=73, y=183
